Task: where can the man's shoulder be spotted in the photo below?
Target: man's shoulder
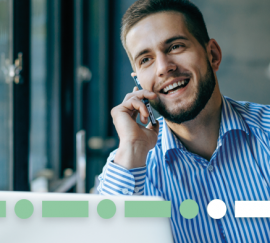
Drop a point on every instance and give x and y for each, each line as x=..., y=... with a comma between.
x=254, y=114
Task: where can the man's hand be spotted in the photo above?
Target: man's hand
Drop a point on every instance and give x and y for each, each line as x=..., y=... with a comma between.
x=135, y=139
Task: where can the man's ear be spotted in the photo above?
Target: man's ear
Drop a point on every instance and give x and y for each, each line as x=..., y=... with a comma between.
x=214, y=54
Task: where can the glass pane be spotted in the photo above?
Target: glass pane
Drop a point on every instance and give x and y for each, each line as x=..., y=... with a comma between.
x=5, y=97
x=38, y=158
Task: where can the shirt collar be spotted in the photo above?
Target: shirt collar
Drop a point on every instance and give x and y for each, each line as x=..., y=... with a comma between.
x=169, y=139
x=230, y=120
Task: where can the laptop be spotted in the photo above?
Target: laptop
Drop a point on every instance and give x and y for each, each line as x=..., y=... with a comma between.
x=28, y=217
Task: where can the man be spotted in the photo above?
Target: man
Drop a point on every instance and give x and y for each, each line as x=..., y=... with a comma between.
x=205, y=146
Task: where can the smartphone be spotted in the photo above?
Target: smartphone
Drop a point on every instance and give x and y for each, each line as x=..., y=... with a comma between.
x=146, y=102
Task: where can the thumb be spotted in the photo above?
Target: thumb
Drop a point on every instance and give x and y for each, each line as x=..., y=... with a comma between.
x=153, y=128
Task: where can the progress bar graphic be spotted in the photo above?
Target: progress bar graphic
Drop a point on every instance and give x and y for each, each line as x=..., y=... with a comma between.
x=106, y=209
x=252, y=209
x=64, y=209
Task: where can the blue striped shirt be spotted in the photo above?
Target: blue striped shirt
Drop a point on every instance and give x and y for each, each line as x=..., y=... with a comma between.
x=238, y=170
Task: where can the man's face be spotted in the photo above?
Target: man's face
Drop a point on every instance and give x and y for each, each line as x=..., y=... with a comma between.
x=165, y=53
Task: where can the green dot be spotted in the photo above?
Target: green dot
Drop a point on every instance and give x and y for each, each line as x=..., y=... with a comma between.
x=106, y=209
x=24, y=209
x=189, y=209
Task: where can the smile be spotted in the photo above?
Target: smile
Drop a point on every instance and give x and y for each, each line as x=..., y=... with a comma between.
x=172, y=88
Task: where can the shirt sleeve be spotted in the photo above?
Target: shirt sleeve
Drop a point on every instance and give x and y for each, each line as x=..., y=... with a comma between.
x=117, y=180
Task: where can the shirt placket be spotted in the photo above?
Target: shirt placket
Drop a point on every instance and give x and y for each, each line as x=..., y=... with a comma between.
x=221, y=231
x=211, y=170
x=210, y=166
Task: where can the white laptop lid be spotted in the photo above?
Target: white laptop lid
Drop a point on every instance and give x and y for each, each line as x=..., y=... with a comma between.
x=93, y=228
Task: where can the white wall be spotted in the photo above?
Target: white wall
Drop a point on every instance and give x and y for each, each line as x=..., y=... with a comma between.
x=242, y=29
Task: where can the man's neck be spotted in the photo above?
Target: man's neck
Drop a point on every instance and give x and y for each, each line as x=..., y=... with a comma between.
x=200, y=135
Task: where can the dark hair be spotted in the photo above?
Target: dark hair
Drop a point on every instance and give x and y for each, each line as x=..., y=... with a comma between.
x=143, y=8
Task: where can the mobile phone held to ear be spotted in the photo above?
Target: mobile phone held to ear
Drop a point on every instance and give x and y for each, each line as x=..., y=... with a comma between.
x=146, y=102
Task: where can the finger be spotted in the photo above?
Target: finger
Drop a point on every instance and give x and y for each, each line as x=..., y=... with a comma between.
x=135, y=89
x=140, y=94
x=153, y=128
x=133, y=74
x=144, y=119
x=135, y=114
x=136, y=104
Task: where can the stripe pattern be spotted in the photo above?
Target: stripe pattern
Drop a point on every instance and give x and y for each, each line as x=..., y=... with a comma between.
x=239, y=169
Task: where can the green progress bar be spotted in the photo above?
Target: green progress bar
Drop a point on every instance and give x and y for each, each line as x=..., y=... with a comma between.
x=2, y=209
x=148, y=209
x=64, y=209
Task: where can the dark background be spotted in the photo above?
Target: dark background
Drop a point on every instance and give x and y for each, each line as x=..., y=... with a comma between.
x=40, y=117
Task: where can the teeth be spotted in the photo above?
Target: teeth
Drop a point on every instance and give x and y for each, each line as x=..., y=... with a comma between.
x=179, y=83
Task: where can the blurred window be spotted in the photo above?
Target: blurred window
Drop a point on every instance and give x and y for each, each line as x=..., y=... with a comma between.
x=5, y=96
x=38, y=158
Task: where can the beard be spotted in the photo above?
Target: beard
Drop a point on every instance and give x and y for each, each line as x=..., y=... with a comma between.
x=202, y=96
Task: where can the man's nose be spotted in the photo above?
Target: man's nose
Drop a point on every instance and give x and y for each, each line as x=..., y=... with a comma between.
x=164, y=65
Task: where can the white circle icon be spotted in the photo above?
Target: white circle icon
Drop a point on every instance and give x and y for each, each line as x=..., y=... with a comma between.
x=216, y=209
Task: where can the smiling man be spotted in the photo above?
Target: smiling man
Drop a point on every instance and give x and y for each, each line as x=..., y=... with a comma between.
x=206, y=146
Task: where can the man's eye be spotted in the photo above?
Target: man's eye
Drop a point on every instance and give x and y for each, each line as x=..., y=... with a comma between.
x=176, y=47
x=144, y=60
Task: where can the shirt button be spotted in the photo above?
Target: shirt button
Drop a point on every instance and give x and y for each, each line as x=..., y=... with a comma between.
x=136, y=189
x=210, y=167
x=125, y=190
